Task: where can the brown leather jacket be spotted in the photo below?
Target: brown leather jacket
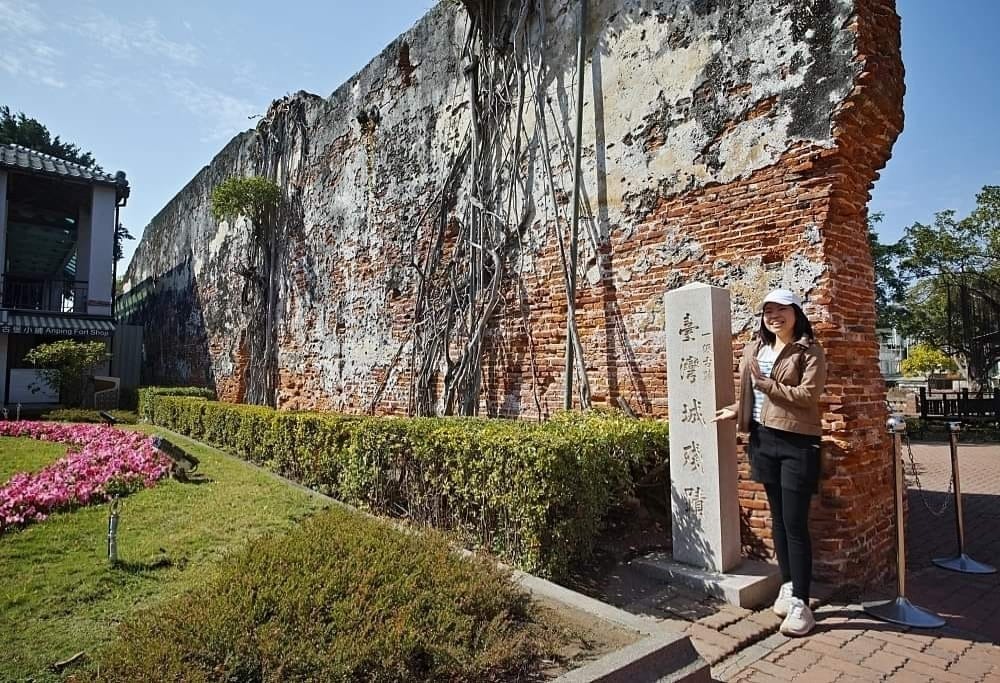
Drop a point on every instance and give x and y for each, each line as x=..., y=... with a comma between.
x=791, y=393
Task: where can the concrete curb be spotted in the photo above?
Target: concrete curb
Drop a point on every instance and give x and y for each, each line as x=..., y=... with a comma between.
x=663, y=655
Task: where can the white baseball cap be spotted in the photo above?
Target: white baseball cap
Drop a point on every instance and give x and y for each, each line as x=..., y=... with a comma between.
x=785, y=297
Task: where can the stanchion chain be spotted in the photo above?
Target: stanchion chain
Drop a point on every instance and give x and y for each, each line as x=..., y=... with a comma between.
x=920, y=488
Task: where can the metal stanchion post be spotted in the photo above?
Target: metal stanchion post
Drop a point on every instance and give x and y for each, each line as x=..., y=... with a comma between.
x=901, y=610
x=961, y=562
x=113, y=513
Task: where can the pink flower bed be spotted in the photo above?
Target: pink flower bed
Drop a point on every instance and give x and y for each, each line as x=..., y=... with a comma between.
x=102, y=462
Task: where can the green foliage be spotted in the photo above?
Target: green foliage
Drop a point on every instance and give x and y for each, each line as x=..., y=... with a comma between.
x=121, y=234
x=533, y=494
x=924, y=360
x=59, y=595
x=64, y=365
x=144, y=403
x=940, y=284
x=341, y=598
x=945, y=258
x=18, y=129
x=890, y=285
x=84, y=415
x=252, y=197
x=953, y=247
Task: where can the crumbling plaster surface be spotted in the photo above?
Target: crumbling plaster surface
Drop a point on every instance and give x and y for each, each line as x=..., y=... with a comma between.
x=725, y=141
x=679, y=96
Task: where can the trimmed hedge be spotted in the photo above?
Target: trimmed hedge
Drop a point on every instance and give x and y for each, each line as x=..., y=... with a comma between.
x=533, y=494
x=144, y=403
x=88, y=415
x=341, y=598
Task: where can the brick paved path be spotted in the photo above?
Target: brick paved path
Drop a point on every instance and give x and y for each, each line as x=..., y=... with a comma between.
x=849, y=646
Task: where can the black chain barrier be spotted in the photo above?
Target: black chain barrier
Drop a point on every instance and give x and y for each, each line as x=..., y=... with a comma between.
x=920, y=488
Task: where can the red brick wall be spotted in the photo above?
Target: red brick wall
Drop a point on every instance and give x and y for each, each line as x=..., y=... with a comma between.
x=799, y=221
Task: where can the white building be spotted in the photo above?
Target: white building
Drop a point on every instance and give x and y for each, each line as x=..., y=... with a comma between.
x=892, y=347
x=57, y=236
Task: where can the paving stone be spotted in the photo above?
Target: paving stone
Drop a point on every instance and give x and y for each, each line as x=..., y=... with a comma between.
x=938, y=675
x=862, y=648
x=745, y=631
x=819, y=674
x=800, y=660
x=719, y=620
x=885, y=662
x=776, y=671
x=972, y=667
x=766, y=618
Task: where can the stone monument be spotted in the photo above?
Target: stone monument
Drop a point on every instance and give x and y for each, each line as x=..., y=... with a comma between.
x=705, y=513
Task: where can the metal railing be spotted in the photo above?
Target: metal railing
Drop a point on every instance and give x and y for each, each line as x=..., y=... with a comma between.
x=983, y=406
x=43, y=294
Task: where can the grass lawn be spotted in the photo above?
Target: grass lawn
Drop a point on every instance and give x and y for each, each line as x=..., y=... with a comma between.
x=26, y=455
x=58, y=596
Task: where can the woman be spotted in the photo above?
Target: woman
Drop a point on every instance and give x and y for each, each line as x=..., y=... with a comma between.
x=781, y=378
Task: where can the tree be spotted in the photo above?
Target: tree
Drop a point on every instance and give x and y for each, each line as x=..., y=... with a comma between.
x=257, y=199
x=121, y=234
x=65, y=364
x=925, y=360
x=19, y=129
x=890, y=285
x=954, y=303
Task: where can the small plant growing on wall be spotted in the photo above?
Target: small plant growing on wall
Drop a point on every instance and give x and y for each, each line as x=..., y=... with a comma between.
x=256, y=199
x=253, y=198
x=64, y=365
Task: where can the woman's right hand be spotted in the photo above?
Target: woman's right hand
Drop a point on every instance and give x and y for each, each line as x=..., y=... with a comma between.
x=724, y=414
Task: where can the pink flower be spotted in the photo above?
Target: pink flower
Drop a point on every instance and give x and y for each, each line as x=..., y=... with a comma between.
x=101, y=462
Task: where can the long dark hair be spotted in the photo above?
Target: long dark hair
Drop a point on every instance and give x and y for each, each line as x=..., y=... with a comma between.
x=803, y=328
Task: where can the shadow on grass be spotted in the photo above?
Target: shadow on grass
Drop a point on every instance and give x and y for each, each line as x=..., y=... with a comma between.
x=144, y=567
x=196, y=479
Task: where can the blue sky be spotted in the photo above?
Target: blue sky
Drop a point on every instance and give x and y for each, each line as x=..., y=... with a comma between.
x=950, y=145
x=157, y=90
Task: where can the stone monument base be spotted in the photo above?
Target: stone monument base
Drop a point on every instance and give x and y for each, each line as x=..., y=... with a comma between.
x=750, y=585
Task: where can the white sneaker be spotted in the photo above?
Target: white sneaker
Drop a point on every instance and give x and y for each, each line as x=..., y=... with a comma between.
x=800, y=620
x=781, y=604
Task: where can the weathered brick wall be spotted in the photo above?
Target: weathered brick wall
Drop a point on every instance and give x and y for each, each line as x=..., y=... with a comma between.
x=731, y=142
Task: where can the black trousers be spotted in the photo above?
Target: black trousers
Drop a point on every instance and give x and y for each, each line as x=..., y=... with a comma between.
x=790, y=531
x=788, y=464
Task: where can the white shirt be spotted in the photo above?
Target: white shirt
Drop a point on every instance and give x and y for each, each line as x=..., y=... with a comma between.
x=765, y=359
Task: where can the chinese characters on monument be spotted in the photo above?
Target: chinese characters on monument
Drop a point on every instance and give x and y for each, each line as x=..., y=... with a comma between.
x=704, y=505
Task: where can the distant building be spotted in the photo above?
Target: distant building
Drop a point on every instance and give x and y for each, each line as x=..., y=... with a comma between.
x=57, y=237
x=892, y=348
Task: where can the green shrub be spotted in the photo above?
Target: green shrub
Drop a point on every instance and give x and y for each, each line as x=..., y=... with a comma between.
x=341, y=598
x=309, y=448
x=533, y=494
x=63, y=366
x=85, y=415
x=146, y=394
